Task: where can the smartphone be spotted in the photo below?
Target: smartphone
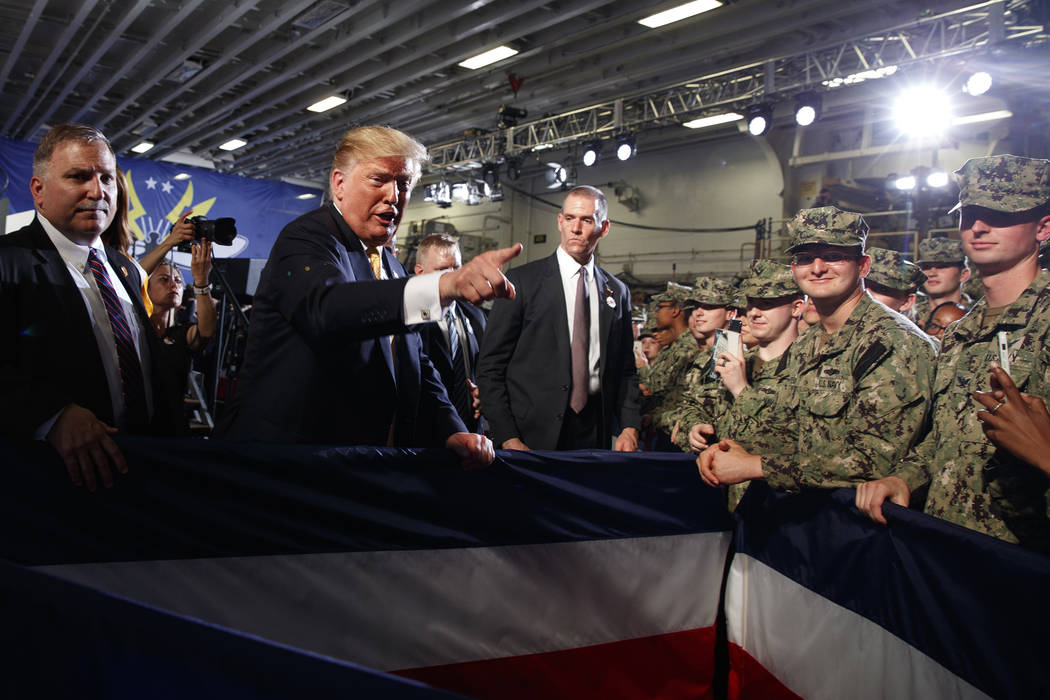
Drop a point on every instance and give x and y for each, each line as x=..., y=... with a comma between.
x=726, y=340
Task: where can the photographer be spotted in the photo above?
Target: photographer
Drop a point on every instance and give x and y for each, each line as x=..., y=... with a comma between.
x=181, y=342
x=181, y=232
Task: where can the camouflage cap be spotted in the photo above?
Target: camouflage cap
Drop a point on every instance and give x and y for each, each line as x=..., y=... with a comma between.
x=890, y=269
x=827, y=226
x=769, y=280
x=711, y=290
x=675, y=293
x=1003, y=183
x=648, y=329
x=941, y=250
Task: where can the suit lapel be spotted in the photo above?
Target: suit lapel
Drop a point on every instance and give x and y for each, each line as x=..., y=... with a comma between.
x=52, y=267
x=551, y=295
x=606, y=314
x=362, y=272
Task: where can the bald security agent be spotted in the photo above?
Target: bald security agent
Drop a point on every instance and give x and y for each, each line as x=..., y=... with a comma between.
x=1004, y=204
x=557, y=361
x=332, y=356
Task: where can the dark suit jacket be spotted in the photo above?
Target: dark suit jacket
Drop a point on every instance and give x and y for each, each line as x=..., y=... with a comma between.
x=437, y=349
x=48, y=355
x=318, y=367
x=525, y=371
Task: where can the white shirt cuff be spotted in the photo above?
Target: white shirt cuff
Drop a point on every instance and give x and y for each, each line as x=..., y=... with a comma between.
x=45, y=427
x=423, y=299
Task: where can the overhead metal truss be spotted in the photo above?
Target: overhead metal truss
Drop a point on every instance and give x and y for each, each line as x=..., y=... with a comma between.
x=927, y=40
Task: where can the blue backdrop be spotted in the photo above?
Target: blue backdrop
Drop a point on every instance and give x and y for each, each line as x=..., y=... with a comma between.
x=160, y=192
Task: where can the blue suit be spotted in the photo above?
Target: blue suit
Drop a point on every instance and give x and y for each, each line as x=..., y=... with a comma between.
x=319, y=367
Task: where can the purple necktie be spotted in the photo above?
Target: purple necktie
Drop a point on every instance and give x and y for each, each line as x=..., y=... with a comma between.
x=581, y=336
x=131, y=380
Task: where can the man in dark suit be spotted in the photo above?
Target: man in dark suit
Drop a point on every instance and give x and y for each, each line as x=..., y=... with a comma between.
x=78, y=351
x=557, y=364
x=332, y=356
x=453, y=342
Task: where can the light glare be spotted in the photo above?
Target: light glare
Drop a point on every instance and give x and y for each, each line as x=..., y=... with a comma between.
x=757, y=126
x=922, y=112
x=978, y=83
x=938, y=178
x=805, y=115
x=905, y=183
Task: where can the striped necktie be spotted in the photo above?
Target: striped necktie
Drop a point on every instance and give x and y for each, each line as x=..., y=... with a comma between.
x=131, y=379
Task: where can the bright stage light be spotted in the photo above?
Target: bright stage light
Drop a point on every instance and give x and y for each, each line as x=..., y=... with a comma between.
x=922, y=112
x=626, y=147
x=938, y=179
x=807, y=108
x=978, y=83
x=713, y=120
x=905, y=183
x=591, y=152
x=759, y=119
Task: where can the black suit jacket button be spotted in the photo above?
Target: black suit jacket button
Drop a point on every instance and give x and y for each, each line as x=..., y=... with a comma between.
x=564, y=387
x=559, y=416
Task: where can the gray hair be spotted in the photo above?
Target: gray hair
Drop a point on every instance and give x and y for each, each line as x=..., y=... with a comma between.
x=601, y=205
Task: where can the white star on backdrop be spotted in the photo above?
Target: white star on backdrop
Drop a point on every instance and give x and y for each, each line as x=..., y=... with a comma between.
x=151, y=184
x=166, y=187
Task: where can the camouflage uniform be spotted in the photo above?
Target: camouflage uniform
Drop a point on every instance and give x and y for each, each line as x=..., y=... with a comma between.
x=938, y=250
x=854, y=401
x=667, y=371
x=749, y=417
x=647, y=331
x=701, y=398
x=973, y=483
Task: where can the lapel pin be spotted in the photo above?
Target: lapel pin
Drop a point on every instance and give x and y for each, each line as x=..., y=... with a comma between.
x=124, y=270
x=609, y=299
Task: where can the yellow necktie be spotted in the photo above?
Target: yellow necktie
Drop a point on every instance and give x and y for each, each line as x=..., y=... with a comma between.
x=376, y=261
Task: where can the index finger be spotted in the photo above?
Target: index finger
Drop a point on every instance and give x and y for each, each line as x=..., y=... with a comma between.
x=182, y=217
x=504, y=255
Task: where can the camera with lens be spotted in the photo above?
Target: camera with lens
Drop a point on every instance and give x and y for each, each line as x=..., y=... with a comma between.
x=220, y=231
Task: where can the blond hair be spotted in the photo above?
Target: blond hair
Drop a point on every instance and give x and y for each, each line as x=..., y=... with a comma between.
x=366, y=142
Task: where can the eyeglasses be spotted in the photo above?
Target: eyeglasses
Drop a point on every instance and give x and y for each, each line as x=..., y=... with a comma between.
x=829, y=258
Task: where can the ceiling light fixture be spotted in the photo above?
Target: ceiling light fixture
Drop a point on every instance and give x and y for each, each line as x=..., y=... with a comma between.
x=233, y=145
x=591, y=151
x=982, y=117
x=488, y=57
x=142, y=146
x=759, y=119
x=938, y=179
x=713, y=120
x=326, y=104
x=675, y=14
x=626, y=147
x=807, y=108
x=978, y=83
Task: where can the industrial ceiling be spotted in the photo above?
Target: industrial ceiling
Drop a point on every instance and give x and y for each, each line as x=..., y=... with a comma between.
x=189, y=76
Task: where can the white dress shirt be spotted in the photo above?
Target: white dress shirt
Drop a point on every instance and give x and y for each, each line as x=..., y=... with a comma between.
x=76, y=258
x=569, y=269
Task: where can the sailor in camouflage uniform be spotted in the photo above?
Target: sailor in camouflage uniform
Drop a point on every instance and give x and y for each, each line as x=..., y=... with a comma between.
x=662, y=387
x=944, y=260
x=1005, y=203
x=893, y=280
x=858, y=385
x=702, y=396
x=773, y=303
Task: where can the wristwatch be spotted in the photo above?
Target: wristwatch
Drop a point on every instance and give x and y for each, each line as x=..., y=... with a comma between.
x=199, y=291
